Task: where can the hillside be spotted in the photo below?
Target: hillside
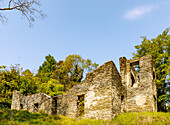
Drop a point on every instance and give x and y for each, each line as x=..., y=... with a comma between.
x=11, y=117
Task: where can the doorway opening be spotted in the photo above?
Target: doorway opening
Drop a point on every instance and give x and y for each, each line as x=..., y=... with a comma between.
x=80, y=105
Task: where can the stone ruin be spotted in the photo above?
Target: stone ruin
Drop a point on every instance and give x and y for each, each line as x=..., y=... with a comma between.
x=103, y=94
x=140, y=86
x=34, y=103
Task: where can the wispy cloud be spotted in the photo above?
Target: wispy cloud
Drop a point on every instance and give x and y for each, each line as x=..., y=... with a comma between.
x=138, y=12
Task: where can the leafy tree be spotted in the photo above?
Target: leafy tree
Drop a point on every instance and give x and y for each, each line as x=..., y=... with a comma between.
x=29, y=83
x=14, y=78
x=52, y=88
x=70, y=71
x=52, y=77
x=9, y=81
x=159, y=48
x=28, y=8
x=46, y=71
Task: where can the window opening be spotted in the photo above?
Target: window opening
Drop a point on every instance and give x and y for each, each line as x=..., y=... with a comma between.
x=132, y=79
x=36, y=107
x=21, y=106
x=54, y=103
x=122, y=97
x=134, y=72
x=135, y=66
x=80, y=105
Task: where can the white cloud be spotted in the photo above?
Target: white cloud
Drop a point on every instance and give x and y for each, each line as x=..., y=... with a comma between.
x=138, y=12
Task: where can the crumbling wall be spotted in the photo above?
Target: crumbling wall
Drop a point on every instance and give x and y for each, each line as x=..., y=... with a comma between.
x=118, y=92
x=123, y=72
x=101, y=89
x=103, y=94
x=140, y=85
x=33, y=103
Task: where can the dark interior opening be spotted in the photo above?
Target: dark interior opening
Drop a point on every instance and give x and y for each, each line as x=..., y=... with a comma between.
x=155, y=101
x=154, y=77
x=36, y=106
x=21, y=106
x=80, y=105
x=132, y=79
x=154, y=97
x=54, y=103
x=122, y=97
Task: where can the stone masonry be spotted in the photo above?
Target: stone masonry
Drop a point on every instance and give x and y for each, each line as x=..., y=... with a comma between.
x=34, y=103
x=140, y=86
x=103, y=94
x=102, y=90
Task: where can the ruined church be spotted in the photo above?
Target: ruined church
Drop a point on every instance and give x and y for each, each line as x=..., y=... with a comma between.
x=103, y=94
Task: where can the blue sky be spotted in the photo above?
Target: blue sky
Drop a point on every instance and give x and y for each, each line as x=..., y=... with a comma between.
x=101, y=30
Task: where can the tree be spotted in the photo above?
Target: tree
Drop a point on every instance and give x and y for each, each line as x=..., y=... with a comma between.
x=51, y=88
x=9, y=81
x=70, y=71
x=28, y=8
x=28, y=83
x=46, y=71
x=159, y=48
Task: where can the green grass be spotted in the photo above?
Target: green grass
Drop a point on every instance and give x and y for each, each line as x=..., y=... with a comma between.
x=14, y=117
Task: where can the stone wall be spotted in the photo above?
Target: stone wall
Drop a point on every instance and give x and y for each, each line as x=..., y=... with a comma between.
x=102, y=90
x=140, y=85
x=33, y=103
x=103, y=94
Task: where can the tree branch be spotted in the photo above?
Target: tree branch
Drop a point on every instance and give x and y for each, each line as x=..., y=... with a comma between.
x=28, y=8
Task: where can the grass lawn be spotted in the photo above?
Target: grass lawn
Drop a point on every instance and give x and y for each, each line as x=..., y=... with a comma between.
x=14, y=117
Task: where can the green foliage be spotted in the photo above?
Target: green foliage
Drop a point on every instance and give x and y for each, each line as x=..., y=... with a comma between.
x=9, y=81
x=52, y=88
x=46, y=71
x=12, y=117
x=29, y=83
x=14, y=78
x=52, y=77
x=159, y=48
x=70, y=71
x=81, y=105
